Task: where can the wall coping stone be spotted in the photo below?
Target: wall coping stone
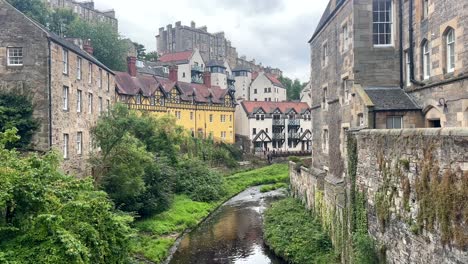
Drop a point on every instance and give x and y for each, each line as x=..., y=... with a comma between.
x=449, y=131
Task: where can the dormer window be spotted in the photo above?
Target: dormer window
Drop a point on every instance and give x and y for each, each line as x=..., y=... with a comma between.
x=138, y=99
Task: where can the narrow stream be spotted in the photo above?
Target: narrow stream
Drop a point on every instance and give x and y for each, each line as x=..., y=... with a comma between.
x=233, y=234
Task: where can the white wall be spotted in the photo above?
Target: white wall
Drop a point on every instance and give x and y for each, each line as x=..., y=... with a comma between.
x=242, y=86
x=184, y=69
x=219, y=79
x=277, y=94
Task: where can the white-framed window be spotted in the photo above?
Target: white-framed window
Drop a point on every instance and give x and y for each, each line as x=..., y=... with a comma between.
x=223, y=134
x=325, y=98
x=346, y=93
x=79, y=99
x=425, y=8
x=382, y=11
x=65, y=95
x=79, y=143
x=360, y=121
x=65, y=61
x=254, y=131
x=426, y=61
x=100, y=105
x=344, y=143
x=325, y=139
x=191, y=115
x=78, y=68
x=394, y=122
x=90, y=103
x=324, y=54
x=345, y=37
x=90, y=73
x=138, y=99
x=230, y=118
x=450, y=41
x=223, y=118
x=15, y=56
x=407, y=69
x=65, y=146
x=100, y=79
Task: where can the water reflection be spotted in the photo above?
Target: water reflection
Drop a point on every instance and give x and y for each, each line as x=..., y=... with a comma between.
x=231, y=235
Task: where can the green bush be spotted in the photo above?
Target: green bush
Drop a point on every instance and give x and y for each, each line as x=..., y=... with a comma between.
x=272, y=187
x=292, y=233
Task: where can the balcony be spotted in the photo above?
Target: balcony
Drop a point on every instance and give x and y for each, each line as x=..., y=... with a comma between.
x=278, y=122
x=278, y=136
x=197, y=79
x=294, y=135
x=294, y=122
x=231, y=78
x=231, y=87
x=197, y=68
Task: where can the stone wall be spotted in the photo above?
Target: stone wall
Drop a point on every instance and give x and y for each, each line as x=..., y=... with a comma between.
x=415, y=184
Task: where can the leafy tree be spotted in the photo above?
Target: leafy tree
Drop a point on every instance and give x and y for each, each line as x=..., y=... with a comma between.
x=16, y=111
x=49, y=217
x=141, y=51
x=109, y=48
x=60, y=21
x=35, y=9
x=152, y=56
x=293, y=88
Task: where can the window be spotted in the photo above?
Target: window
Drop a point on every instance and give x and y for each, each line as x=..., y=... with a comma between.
x=254, y=131
x=382, y=22
x=262, y=117
x=108, y=82
x=345, y=38
x=223, y=134
x=426, y=62
x=360, y=121
x=15, y=56
x=78, y=68
x=100, y=78
x=90, y=103
x=324, y=54
x=394, y=122
x=450, y=39
x=65, y=61
x=257, y=117
x=345, y=140
x=345, y=91
x=108, y=105
x=178, y=115
x=90, y=73
x=191, y=115
x=65, y=97
x=138, y=99
x=223, y=118
x=230, y=118
x=79, y=98
x=255, y=91
x=324, y=98
x=325, y=141
x=100, y=105
x=183, y=74
x=65, y=146
x=79, y=143
x=408, y=69
x=425, y=9
x=211, y=118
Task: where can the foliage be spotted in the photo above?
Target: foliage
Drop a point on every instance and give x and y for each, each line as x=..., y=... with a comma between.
x=60, y=21
x=16, y=111
x=152, y=56
x=141, y=51
x=293, y=88
x=198, y=182
x=292, y=232
x=48, y=217
x=108, y=46
x=272, y=187
x=35, y=9
x=267, y=175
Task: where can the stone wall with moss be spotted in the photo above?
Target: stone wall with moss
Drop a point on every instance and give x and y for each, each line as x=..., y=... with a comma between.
x=416, y=185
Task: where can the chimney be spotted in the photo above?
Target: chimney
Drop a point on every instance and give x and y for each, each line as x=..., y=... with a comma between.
x=173, y=73
x=207, y=79
x=131, y=64
x=88, y=47
x=192, y=24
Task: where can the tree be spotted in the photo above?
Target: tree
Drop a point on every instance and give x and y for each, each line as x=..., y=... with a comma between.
x=60, y=21
x=35, y=9
x=49, y=217
x=108, y=46
x=141, y=51
x=16, y=111
x=293, y=88
x=152, y=56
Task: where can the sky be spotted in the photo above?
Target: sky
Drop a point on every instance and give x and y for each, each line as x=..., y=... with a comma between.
x=274, y=32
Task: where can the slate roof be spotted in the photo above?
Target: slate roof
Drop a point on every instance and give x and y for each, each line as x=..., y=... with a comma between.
x=152, y=68
x=177, y=57
x=269, y=107
x=390, y=99
x=241, y=68
x=326, y=16
x=215, y=63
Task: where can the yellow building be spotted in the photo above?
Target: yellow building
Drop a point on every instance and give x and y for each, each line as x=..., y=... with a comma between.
x=206, y=110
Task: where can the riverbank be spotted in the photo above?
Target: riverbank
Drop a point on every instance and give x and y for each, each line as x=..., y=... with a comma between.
x=157, y=234
x=293, y=233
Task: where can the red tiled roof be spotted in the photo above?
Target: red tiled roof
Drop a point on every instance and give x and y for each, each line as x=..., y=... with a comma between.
x=254, y=75
x=176, y=57
x=269, y=107
x=274, y=80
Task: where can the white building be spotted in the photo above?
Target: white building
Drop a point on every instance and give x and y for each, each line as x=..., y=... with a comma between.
x=190, y=65
x=221, y=74
x=266, y=87
x=274, y=126
x=243, y=78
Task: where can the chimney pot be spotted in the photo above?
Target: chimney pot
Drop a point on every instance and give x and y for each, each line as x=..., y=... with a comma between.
x=173, y=73
x=131, y=64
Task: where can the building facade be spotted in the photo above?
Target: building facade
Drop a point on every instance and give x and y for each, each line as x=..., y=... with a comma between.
x=274, y=126
x=86, y=11
x=69, y=88
x=205, y=110
x=266, y=87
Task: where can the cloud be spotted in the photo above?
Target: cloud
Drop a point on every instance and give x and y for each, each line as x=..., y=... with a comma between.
x=274, y=32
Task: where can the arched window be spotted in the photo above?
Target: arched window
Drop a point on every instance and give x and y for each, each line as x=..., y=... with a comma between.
x=426, y=60
x=450, y=48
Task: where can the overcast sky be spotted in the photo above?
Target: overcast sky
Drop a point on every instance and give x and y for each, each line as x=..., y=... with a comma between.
x=274, y=32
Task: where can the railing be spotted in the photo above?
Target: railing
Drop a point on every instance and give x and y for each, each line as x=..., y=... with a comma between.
x=277, y=154
x=231, y=87
x=294, y=122
x=258, y=149
x=278, y=122
x=294, y=135
x=230, y=77
x=277, y=136
x=197, y=68
x=196, y=79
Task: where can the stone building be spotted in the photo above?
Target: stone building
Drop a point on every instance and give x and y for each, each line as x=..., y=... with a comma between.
x=86, y=11
x=68, y=86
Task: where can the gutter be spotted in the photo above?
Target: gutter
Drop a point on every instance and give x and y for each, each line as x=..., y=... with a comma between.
x=50, y=93
x=411, y=50
x=401, y=44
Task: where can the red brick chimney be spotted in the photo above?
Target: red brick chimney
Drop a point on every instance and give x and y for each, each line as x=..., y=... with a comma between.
x=131, y=65
x=173, y=73
x=88, y=47
x=207, y=79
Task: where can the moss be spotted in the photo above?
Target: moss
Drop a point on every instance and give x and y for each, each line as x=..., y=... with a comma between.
x=405, y=163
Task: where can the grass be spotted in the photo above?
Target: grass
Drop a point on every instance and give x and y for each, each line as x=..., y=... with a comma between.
x=157, y=234
x=292, y=233
x=272, y=187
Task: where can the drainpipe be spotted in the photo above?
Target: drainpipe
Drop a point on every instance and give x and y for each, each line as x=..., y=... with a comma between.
x=401, y=43
x=50, y=93
x=411, y=50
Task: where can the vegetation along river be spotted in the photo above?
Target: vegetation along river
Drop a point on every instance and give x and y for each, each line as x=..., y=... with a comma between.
x=232, y=234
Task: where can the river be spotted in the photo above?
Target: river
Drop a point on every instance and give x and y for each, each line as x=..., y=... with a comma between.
x=232, y=234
